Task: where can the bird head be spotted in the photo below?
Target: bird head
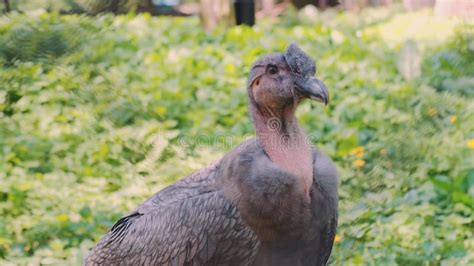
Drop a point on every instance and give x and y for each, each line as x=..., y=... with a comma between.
x=281, y=79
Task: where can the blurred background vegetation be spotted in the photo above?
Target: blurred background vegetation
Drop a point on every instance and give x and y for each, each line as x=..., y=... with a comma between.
x=99, y=112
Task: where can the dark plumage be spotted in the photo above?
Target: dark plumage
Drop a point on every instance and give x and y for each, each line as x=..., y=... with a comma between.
x=270, y=201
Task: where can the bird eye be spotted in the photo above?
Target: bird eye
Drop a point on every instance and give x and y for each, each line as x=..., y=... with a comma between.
x=272, y=69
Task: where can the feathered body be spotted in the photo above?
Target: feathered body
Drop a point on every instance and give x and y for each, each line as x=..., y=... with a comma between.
x=194, y=222
x=270, y=201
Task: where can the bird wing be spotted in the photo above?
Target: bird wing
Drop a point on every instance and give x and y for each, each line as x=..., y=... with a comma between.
x=187, y=223
x=326, y=182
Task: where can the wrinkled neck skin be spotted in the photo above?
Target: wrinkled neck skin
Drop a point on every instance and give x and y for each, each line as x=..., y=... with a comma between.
x=285, y=142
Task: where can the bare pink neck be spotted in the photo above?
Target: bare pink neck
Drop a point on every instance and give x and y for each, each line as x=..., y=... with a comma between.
x=285, y=143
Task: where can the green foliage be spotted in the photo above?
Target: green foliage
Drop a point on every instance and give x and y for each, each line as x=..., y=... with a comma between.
x=52, y=5
x=451, y=69
x=100, y=6
x=98, y=113
x=40, y=40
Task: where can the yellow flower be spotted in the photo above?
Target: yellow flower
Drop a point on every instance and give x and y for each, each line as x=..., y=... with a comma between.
x=62, y=217
x=56, y=245
x=358, y=152
x=358, y=163
x=337, y=239
x=453, y=119
x=383, y=152
x=160, y=110
x=470, y=143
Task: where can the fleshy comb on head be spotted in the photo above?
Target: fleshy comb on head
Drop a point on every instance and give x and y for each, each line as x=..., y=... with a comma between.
x=299, y=62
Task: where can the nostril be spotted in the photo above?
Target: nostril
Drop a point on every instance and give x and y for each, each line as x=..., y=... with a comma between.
x=257, y=82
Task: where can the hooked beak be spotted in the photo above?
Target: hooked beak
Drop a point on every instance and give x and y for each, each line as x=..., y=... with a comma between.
x=312, y=88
